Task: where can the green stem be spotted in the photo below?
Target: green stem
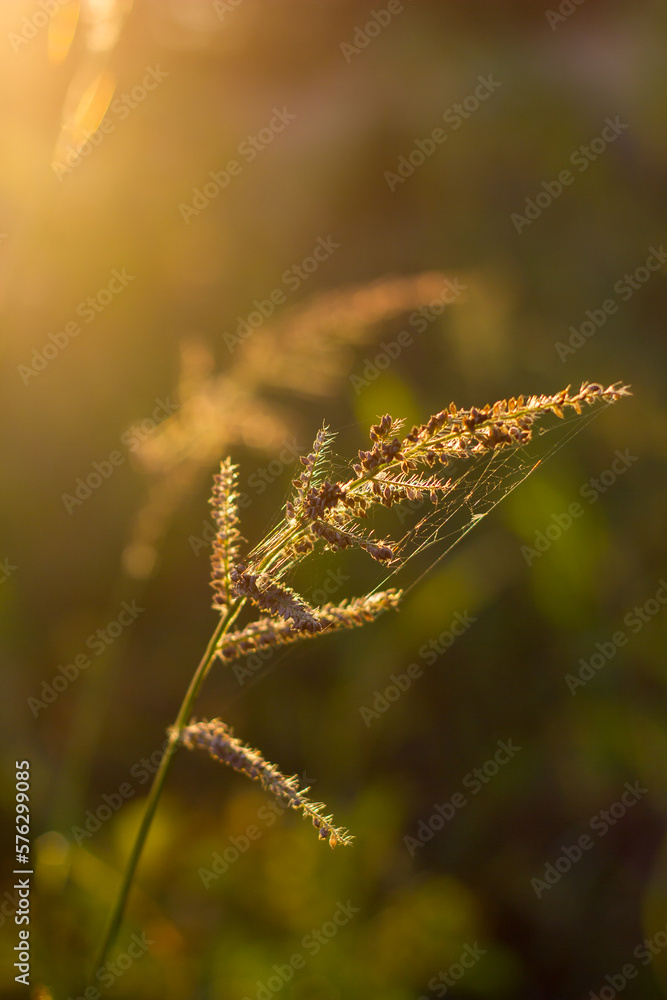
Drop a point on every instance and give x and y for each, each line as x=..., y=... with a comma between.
x=158, y=782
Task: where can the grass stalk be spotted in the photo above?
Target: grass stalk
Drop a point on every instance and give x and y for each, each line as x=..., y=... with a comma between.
x=181, y=721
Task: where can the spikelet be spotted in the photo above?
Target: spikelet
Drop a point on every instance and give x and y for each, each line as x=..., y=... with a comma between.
x=459, y=433
x=332, y=617
x=276, y=598
x=312, y=465
x=389, y=471
x=389, y=489
x=342, y=538
x=226, y=545
x=219, y=740
x=454, y=433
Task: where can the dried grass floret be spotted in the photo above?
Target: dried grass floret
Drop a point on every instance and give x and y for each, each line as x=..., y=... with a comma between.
x=323, y=510
x=226, y=544
x=312, y=463
x=218, y=739
x=332, y=617
x=342, y=538
x=276, y=598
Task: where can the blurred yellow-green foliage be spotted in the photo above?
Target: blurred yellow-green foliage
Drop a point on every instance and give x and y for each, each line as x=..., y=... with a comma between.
x=171, y=90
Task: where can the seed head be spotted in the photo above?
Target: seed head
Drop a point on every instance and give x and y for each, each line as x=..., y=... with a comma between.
x=219, y=740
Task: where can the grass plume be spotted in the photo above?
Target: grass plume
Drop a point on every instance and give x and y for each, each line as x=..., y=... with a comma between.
x=219, y=740
x=328, y=513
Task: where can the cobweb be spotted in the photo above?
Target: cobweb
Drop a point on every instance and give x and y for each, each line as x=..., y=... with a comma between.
x=478, y=486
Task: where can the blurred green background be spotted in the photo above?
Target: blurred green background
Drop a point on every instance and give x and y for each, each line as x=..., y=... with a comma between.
x=171, y=90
